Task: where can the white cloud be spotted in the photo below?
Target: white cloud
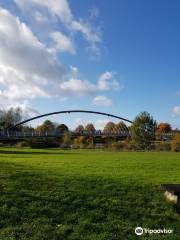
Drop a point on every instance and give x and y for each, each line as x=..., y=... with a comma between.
x=62, y=42
x=77, y=87
x=102, y=101
x=61, y=9
x=100, y=124
x=27, y=111
x=107, y=81
x=80, y=121
x=88, y=32
x=176, y=110
x=58, y=7
x=28, y=68
x=41, y=18
x=21, y=50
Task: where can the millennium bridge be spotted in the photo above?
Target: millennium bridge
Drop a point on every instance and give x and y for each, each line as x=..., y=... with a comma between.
x=15, y=134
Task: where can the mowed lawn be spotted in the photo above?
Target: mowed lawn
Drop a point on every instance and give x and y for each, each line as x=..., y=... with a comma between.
x=92, y=195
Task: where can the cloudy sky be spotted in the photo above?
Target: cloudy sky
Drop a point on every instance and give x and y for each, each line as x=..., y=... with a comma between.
x=120, y=57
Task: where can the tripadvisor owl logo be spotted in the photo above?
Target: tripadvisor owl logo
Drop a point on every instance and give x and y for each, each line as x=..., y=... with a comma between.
x=138, y=230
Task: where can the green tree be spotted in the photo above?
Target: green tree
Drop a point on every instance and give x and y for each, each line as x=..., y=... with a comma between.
x=27, y=129
x=47, y=126
x=143, y=130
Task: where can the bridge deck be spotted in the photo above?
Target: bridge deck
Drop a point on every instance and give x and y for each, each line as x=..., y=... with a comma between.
x=12, y=135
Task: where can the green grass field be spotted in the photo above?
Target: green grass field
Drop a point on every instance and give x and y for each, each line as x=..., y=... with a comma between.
x=92, y=195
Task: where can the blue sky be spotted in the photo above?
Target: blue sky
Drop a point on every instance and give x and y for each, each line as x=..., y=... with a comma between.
x=120, y=57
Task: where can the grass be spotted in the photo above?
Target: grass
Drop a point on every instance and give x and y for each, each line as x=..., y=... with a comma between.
x=89, y=195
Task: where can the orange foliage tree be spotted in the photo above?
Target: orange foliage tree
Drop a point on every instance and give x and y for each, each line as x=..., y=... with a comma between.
x=161, y=129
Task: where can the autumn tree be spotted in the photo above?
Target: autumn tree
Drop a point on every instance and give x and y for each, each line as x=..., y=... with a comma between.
x=109, y=128
x=121, y=126
x=79, y=129
x=143, y=130
x=90, y=128
x=161, y=129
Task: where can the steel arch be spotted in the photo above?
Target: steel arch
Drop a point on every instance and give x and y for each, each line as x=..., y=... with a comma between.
x=68, y=111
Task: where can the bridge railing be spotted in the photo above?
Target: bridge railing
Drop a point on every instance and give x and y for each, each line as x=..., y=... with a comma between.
x=23, y=134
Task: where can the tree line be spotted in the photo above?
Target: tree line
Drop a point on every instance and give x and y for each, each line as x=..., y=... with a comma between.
x=145, y=132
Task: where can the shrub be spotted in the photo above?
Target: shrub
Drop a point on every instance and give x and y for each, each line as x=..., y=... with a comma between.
x=162, y=146
x=66, y=142
x=115, y=146
x=43, y=143
x=79, y=142
x=22, y=144
x=90, y=142
x=127, y=145
x=120, y=145
x=175, y=146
